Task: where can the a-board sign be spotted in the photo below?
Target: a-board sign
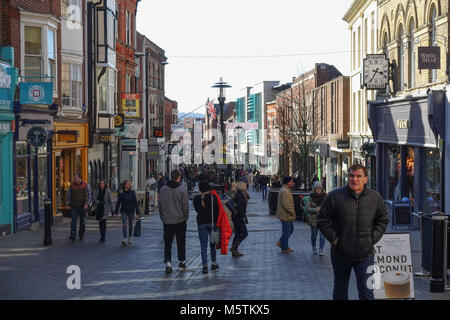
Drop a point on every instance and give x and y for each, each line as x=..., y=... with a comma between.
x=393, y=277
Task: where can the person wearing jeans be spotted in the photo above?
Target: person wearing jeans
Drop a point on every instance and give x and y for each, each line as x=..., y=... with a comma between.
x=207, y=208
x=128, y=205
x=342, y=269
x=78, y=199
x=353, y=219
x=286, y=214
x=312, y=207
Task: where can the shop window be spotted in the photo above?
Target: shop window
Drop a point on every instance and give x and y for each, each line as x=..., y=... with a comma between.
x=91, y=175
x=410, y=173
x=22, y=187
x=432, y=180
x=394, y=165
x=345, y=166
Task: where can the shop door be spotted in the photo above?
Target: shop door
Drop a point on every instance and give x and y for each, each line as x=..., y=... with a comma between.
x=67, y=164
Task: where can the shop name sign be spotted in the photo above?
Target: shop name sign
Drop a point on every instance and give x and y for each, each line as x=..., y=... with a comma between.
x=36, y=93
x=404, y=124
x=343, y=144
x=5, y=79
x=429, y=57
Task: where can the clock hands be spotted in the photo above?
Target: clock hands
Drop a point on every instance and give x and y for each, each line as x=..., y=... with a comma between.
x=374, y=74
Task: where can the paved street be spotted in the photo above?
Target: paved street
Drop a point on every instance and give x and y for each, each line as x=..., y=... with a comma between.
x=108, y=271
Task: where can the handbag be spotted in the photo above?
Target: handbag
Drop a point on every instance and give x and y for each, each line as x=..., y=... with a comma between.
x=231, y=205
x=214, y=236
x=137, y=228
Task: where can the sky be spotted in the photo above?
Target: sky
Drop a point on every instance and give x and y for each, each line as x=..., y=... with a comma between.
x=243, y=41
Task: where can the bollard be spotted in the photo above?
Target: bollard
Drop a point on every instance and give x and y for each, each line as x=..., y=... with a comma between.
x=147, y=201
x=438, y=279
x=48, y=217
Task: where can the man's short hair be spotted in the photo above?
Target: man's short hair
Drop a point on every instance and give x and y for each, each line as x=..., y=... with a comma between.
x=356, y=167
x=175, y=174
x=78, y=175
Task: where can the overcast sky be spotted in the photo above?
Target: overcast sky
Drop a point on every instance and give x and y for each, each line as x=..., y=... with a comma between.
x=208, y=39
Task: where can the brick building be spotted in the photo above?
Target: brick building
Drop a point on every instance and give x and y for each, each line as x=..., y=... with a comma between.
x=33, y=30
x=331, y=124
x=171, y=117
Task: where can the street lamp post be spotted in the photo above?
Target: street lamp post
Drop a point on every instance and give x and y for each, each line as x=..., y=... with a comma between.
x=221, y=85
x=147, y=130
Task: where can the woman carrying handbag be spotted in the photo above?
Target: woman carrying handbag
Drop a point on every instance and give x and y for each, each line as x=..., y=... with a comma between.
x=207, y=208
x=127, y=202
x=102, y=206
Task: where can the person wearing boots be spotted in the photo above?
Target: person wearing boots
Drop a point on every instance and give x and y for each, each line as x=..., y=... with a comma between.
x=103, y=203
x=240, y=219
x=202, y=204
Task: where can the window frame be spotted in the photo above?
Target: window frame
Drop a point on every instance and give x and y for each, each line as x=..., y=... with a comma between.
x=46, y=24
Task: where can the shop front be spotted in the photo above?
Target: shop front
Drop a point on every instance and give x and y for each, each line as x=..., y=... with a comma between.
x=70, y=156
x=338, y=163
x=408, y=154
x=32, y=167
x=8, y=83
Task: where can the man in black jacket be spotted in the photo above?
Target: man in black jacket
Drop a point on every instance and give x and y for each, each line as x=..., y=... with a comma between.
x=353, y=219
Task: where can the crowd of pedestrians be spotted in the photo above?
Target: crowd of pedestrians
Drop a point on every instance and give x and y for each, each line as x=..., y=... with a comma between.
x=352, y=218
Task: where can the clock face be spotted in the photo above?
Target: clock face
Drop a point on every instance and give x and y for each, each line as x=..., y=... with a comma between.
x=376, y=71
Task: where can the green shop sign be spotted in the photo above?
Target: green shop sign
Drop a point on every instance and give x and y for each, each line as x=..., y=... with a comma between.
x=8, y=83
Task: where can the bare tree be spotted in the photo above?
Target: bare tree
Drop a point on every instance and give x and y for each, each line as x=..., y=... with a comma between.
x=302, y=134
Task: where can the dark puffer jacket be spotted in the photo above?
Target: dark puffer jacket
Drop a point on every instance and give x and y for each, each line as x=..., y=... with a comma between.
x=357, y=221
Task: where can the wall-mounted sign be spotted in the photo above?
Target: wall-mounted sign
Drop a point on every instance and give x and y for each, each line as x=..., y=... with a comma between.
x=7, y=85
x=36, y=92
x=128, y=144
x=393, y=277
x=158, y=133
x=37, y=137
x=403, y=124
x=343, y=144
x=143, y=145
x=130, y=105
x=429, y=57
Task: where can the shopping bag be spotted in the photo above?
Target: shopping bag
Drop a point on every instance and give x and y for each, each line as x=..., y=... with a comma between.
x=137, y=228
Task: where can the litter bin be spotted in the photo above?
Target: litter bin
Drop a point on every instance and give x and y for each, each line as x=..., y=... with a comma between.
x=272, y=199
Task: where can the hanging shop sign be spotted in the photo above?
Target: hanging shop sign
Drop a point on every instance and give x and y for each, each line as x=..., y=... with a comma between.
x=393, y=278
x=429, y=57
x=37, y=137
x=36, y=93
x=128, y=144
x=158, y=133
x=119, y=120
x=375, y=72
x=130, y=105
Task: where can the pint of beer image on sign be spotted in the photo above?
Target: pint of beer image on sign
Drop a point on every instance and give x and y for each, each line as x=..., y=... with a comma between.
x=393, y=278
